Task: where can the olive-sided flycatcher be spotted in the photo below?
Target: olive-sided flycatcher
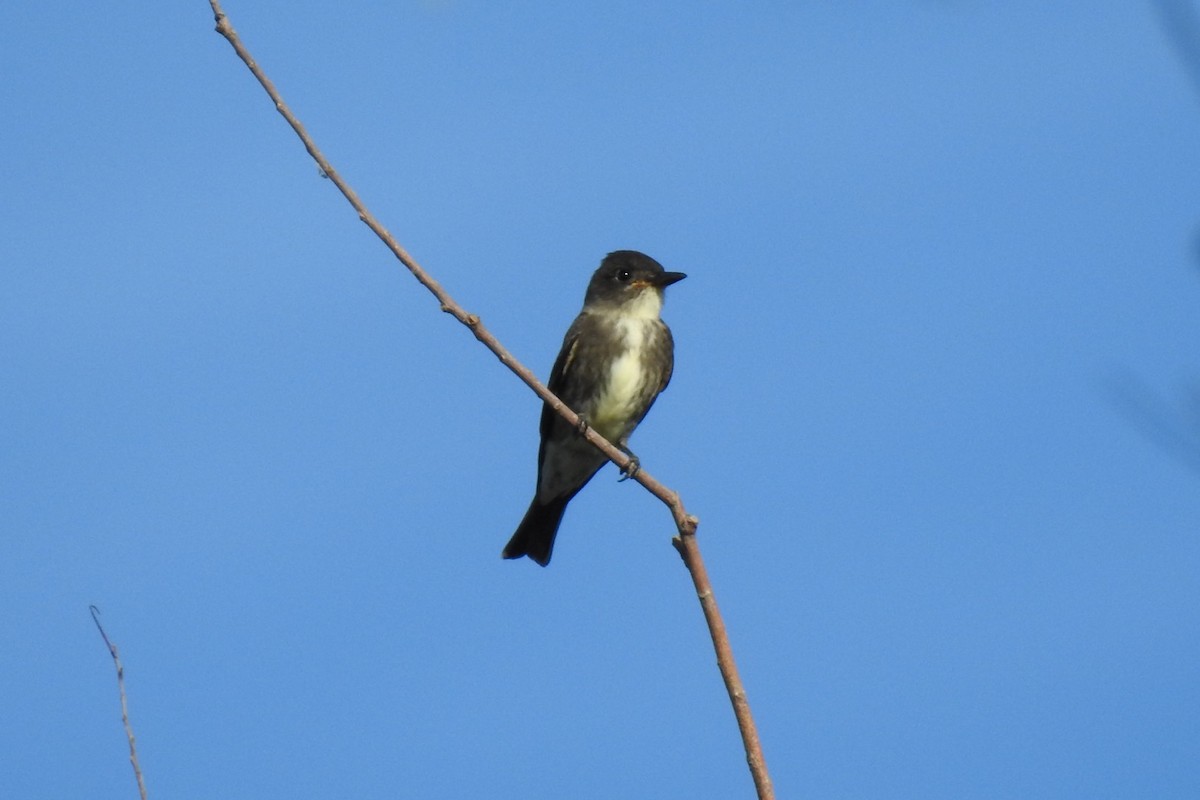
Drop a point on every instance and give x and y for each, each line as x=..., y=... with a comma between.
x=615, y=359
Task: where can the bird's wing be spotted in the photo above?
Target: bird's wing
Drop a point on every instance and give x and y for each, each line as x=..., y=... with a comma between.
x=558, y=377
x=669, y=348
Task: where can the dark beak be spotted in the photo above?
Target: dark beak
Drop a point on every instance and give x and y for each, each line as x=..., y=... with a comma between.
x=667, y=278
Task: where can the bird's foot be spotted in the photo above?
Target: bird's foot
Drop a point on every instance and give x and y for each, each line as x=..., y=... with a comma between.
x=583, y=425
x=631, y=469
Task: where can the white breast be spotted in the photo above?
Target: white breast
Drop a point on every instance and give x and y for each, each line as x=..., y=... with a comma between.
x=626, y=379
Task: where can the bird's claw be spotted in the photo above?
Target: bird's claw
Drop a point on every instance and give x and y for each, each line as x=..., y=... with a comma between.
x=631, y=469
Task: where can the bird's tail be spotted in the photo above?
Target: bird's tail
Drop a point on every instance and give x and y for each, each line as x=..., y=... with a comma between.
x=535, y=535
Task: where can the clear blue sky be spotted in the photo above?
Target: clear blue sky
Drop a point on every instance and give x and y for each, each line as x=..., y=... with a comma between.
x=936, y=402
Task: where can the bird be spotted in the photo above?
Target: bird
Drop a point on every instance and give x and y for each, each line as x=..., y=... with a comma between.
x=616, y=358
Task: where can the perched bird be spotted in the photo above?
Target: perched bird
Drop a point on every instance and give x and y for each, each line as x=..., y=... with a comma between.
x=615, y=359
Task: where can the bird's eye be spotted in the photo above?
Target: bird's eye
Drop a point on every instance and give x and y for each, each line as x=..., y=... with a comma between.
x=624, y=275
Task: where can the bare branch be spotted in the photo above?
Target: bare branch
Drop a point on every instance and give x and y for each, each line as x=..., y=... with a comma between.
x=689, y=551
x=116, y=657
x=685, y=523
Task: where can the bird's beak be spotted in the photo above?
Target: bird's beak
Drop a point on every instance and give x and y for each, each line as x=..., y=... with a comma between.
x=667, y=278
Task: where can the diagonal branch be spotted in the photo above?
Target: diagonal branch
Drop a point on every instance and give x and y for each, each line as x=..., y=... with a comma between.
x=116, y=657
x=686, y=524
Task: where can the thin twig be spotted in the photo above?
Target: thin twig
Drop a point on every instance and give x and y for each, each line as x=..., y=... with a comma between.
x=685, y=523
x=116, y=657
x=689, y=551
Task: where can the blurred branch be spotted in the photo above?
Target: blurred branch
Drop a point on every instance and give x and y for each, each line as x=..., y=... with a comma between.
x=1181, y=25
x=686, y=524
x=1176, y=431
x=116, y=657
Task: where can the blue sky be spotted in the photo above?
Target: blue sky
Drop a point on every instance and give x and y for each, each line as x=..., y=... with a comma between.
x=935, y=402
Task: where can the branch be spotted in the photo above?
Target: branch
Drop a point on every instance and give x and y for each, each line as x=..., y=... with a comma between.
x=686, y=524
x=689, y=551
x=112, y=651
